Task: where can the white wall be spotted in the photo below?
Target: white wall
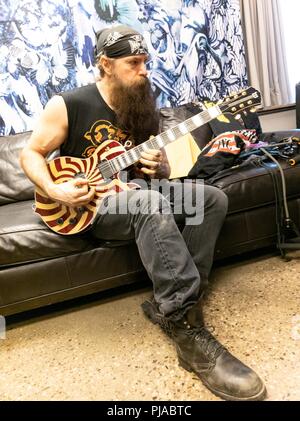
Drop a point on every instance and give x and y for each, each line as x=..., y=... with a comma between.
x=285, y=120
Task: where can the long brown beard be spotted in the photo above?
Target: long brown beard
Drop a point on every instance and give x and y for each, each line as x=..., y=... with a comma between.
x=135, y=108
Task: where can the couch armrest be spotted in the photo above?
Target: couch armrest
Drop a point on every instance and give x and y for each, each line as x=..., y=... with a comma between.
x=14, y=185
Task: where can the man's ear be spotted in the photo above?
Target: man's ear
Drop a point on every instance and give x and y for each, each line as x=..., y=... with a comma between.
x=106, y=64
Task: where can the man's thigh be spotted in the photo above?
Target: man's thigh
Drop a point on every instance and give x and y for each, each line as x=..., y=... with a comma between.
x=117, y=213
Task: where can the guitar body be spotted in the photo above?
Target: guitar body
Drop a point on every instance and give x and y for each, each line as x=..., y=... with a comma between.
x=68, y=220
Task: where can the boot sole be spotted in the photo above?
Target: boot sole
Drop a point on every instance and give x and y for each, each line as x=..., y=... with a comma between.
x=259, y=396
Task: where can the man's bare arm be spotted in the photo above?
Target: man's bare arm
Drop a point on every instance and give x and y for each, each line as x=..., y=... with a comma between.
x=50, y=132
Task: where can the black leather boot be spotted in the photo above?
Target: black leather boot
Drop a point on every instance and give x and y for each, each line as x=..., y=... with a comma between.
x=199, y=351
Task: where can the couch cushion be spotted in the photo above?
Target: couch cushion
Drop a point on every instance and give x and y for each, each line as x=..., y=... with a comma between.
x=14, y=185
x=25, y=238
x=252, y=186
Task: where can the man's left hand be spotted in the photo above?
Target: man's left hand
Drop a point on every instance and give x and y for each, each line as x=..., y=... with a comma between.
x=151, y=161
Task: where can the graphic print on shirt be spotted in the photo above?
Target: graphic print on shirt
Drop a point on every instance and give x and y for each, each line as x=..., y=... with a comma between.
x=101, y=131
x=223, y=143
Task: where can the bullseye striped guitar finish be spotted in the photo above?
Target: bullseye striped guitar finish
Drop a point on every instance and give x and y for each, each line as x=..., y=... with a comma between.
x=67, y=220
x=102, y=169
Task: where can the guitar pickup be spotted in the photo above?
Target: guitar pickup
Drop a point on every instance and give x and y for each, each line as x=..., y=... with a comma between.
x=80, y=175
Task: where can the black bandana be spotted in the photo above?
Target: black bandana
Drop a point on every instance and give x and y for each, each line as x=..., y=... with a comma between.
x=119, y=41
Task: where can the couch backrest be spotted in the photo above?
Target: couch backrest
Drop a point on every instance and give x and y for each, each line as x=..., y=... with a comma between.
x=170, y=117
x=14, y=185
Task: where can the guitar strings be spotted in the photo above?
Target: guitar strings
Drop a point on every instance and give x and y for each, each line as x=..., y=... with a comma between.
x=134, y=153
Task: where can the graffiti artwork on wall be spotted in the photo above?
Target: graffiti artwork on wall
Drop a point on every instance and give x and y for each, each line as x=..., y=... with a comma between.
x=46, y=47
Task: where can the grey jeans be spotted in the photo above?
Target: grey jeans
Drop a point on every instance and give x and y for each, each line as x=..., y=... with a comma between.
x=177, y=261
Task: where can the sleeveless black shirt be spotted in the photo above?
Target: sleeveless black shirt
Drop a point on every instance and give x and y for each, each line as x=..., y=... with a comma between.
x=91, y=122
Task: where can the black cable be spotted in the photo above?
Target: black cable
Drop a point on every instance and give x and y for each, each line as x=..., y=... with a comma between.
x=286, y=209
x=278, y=205
x=286, y=222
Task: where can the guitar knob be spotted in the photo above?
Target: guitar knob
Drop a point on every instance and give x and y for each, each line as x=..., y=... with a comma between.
x=60, y=221
x=128, y=144
x=72, y=221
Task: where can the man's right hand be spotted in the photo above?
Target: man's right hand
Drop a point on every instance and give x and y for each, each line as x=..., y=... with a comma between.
x=73, y=193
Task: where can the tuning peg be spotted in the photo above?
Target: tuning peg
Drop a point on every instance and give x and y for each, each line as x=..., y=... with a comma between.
x=238, y=117
x=253, y=110
x=245, y=113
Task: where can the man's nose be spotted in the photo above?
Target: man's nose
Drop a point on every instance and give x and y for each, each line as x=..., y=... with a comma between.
x=143, y=70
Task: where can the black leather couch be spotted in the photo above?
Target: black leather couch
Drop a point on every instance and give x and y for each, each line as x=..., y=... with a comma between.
x=39, y=267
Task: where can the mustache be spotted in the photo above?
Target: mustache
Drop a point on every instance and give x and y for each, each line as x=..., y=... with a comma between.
x=137, y=88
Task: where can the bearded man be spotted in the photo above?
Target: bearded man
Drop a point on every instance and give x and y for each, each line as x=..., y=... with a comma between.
x=120, y=106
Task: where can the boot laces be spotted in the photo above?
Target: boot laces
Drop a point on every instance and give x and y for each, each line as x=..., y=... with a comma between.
x=210, y=346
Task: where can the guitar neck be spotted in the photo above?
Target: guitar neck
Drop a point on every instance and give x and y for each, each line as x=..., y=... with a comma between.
x=123, y=161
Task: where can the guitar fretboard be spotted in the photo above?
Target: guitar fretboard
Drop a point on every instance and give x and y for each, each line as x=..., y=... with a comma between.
x=124, y=160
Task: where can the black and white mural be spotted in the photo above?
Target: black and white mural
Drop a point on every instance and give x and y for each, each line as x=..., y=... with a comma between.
x=46, y=46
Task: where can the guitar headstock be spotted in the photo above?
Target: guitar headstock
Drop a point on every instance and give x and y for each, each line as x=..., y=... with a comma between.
x=248, y=98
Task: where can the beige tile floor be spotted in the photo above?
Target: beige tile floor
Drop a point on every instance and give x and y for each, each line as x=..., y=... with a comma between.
x=104, y=349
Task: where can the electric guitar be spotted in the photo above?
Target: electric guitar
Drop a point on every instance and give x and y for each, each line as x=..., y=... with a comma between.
x=102, y=169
